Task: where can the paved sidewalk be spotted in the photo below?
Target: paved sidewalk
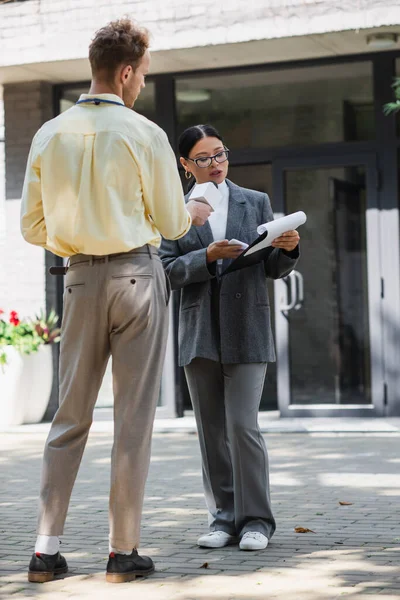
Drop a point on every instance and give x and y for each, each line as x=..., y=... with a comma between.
x=354, y=552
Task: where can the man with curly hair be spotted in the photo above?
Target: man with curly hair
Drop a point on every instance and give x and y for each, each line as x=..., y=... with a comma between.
x=101, y=187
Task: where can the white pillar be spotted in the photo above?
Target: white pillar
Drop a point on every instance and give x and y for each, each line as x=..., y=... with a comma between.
x=2, y=192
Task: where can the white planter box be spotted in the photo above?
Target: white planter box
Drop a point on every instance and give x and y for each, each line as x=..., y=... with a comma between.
x=25, y=386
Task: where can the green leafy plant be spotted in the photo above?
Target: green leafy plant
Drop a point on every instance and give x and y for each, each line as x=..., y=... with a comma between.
x=27, y=335
x=46, y=327
x=391, y=107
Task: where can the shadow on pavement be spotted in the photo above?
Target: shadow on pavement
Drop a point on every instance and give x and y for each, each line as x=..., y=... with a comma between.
x=355, y=549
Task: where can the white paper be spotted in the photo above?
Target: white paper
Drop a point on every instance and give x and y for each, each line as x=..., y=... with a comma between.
x=277, y=228
x=206, y=192
x=234, y=242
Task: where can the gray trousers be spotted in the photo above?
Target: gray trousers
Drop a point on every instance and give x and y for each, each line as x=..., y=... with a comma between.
x=226, y=400
x=112, y=305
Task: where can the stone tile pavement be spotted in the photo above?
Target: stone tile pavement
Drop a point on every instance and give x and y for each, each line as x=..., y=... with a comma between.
x=353, y=553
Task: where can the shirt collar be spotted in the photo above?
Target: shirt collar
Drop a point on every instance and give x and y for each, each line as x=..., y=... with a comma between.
x=223, y=188
x=111, y=97
x=224, y=191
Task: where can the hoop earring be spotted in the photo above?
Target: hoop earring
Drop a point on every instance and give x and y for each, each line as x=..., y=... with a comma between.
x=188, y=174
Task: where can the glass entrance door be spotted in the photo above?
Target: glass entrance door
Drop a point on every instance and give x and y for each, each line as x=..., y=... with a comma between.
x=327, y=313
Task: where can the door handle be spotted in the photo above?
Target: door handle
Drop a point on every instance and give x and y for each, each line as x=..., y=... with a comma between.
x=300, y=290
x=291, y=285
x=295, y=291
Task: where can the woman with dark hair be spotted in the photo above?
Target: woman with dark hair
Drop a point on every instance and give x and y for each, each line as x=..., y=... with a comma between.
x=225, y=343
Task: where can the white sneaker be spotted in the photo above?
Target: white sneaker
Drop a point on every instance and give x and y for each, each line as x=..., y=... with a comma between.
x=216, y=539
x=253, y=540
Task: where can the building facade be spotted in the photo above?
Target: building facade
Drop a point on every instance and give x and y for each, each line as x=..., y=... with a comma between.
x=297, y=88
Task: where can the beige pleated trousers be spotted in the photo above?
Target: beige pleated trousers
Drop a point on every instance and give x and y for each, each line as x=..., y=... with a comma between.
x=114, y=305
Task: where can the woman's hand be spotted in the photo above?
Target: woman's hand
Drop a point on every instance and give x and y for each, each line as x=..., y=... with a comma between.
x=221, y=250
x=287, y=241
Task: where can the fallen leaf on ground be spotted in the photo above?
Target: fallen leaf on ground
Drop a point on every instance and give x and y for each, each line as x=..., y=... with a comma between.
x=345, y=503
x=204, y=566
x=303, y=530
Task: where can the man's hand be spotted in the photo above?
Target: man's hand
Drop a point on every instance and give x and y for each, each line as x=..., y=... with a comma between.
x=287, y=241
x=223, y=249
x=199, y=211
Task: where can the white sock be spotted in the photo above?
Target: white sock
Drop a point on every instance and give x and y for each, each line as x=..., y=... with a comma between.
x=47, y=544
x=116, y=551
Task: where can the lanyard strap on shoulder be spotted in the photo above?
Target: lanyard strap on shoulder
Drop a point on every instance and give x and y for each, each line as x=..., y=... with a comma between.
x=98, y=101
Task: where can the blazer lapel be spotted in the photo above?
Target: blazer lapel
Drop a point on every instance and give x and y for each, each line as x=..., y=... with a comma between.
x=205, y=234
x=236, y=211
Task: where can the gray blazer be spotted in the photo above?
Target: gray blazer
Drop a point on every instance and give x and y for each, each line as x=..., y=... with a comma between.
x=225, y=319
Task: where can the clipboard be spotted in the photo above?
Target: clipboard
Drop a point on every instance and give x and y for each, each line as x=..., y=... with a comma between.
x=268, y=232
x=256, y=256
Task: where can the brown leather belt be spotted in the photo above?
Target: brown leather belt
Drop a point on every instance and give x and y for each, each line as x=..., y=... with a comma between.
x=91, y=258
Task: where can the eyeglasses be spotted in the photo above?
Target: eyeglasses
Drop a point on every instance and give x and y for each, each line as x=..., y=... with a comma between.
x=206, y=161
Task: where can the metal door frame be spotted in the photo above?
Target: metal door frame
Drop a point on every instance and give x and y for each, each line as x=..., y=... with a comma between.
x=374, y=270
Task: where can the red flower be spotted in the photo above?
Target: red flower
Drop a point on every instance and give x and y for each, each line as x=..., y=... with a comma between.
x=14, y=320
x=1, y=312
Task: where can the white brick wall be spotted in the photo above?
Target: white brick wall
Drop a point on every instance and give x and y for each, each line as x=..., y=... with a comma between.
x=43, y=30
x=22, y=270
x=2, y=191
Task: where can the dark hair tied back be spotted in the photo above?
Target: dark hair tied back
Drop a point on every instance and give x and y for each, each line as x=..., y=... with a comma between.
x=189, y=138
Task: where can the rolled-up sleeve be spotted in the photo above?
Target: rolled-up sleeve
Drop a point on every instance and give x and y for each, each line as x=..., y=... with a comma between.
x=162, y=190
x=33, y=226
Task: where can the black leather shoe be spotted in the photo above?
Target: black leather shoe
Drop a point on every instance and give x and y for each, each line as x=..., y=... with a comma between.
x=43, y=567
x=126, y=567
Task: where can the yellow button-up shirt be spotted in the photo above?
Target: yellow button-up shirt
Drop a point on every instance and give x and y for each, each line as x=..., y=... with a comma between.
x=101, y=179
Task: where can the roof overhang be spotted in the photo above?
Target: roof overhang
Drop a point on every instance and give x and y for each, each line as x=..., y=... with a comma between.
x=212, y=56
